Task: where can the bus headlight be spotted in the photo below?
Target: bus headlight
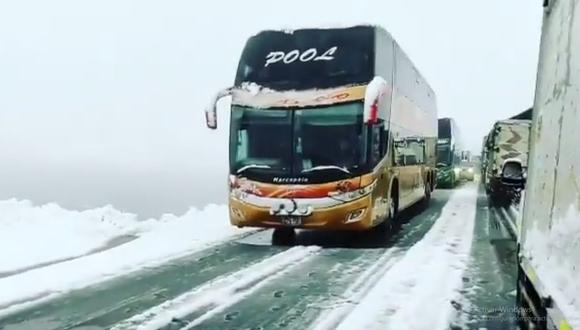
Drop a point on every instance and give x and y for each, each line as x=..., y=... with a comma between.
x=237, y=213
x=470, y=170
x=353, y=195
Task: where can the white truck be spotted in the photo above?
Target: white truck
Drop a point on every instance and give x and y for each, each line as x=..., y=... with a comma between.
x=548, y=291
x=507, y=151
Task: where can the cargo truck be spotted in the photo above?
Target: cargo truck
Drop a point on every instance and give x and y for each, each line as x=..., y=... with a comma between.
x=507, y=148
x=548, y=291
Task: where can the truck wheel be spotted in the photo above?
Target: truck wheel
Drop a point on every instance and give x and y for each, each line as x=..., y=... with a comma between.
x=283, y=236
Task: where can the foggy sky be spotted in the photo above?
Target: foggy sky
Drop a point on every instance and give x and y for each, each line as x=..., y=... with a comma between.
x=101, y=102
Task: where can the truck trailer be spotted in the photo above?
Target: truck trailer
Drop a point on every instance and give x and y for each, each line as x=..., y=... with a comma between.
x=548, y=291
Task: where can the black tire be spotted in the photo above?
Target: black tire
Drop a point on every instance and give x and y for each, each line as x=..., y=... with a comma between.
x=283, y=236
x=386, y=226
x=428, y=191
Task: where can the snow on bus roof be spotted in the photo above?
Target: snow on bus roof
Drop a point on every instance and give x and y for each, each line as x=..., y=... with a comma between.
x=255, y=89
x=330, y=26
x=255, y=95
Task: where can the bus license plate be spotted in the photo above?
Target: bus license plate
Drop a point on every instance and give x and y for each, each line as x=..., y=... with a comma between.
x=292, y=221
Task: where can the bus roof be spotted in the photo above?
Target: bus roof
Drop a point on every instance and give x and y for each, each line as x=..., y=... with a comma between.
x=309, y=58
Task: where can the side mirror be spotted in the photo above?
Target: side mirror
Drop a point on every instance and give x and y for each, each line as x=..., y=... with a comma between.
x=211, y=110
x=374, y=95
x=513, y=174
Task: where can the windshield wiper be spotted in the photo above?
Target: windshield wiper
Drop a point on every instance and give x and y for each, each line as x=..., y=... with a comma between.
x=243, y=168
x=326, y=167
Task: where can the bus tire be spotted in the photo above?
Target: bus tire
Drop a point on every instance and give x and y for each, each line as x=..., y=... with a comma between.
x=428, y=191
x=283, y=236
x=387, y=225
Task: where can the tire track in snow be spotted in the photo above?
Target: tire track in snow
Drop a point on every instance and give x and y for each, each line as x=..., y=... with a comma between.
x=104, y=304
x=429, y=274
x=217, y=295
x=488, y=295
x=316, y=287
x=43, y=285
x=298, y=296
x=358, y=290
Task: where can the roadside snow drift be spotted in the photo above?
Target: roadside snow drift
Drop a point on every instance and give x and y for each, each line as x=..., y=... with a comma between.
x=418, y=290
x=32, y=235
x=158, y=241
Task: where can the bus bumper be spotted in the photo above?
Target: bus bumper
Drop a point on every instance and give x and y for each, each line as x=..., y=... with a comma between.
x=352, y=216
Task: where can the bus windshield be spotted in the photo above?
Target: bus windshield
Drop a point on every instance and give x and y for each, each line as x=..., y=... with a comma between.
x=444, y=154
x=316, y=144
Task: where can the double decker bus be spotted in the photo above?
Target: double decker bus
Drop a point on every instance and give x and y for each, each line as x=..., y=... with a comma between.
x=330, y=129
x=449, y=153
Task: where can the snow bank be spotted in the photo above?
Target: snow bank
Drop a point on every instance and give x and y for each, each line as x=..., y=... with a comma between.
x=31, y=235
x=552, y=256
x=159, y=241
x=417, y=292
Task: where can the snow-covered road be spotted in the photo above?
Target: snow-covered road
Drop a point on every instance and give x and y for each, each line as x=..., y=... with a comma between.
x=196, y=271
x=430, y=271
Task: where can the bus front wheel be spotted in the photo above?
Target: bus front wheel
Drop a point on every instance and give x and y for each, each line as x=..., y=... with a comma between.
x=283, y=236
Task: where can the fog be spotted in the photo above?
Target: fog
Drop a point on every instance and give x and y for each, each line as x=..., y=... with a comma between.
x=101, y=102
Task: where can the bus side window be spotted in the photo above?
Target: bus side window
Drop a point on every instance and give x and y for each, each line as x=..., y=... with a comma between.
x=417, y=149
x=399, y=148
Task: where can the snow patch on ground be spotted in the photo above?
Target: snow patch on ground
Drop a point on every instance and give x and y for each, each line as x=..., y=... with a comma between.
x=32, y=234
x=159, y=241
x=553, y=255
x=418, y=291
